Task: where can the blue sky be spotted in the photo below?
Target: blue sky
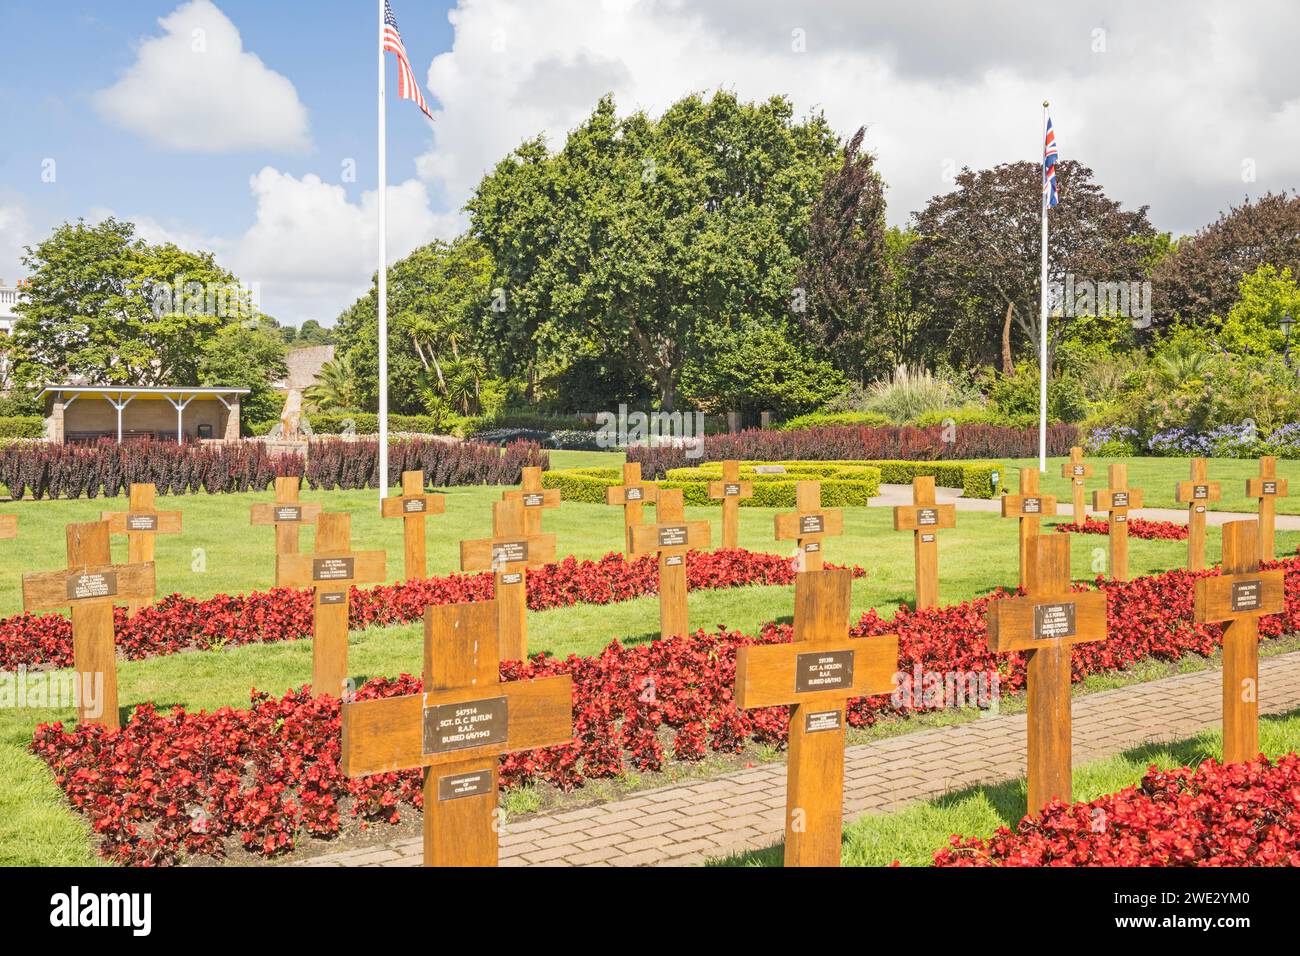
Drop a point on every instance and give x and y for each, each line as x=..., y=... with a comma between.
x=240, y=144
x=325, y=47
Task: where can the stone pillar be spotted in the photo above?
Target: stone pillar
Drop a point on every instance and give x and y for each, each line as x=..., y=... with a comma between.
x=54, y=423
x=232, y=420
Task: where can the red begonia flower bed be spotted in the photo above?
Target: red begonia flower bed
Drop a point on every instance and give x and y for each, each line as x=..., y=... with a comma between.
x=1137, y=527
x=1243, y=814
x=168, y=785
x=179, y=623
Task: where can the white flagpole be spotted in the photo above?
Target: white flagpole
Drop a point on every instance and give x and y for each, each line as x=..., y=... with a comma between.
x=383, y=270
x=1042, y=327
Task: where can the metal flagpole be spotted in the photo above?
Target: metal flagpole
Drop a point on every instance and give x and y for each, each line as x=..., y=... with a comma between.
x=383, y=271
x=1042, y=325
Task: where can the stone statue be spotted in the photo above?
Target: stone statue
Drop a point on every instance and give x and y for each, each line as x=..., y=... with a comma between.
x=291, y=416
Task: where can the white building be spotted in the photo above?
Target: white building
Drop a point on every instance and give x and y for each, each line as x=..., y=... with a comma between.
x=8, y=302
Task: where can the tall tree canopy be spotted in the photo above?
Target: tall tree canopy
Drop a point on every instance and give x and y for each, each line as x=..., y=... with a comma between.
x=439, y=298
x=103, y=307
x=845, y=273
x=641, y=233
x=975, y=263
x=1200, y=278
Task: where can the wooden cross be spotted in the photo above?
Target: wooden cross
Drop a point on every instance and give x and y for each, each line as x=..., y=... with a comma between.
x=533, y=497
x=1116, y=501
x=817, y=673
x=287, y=514
x=672, y=536
x=1239, y=596
x=8, y=526
x=731, y=490
x=457, y=731
x=331, y=571
x=631, y=494
x=413, y=506
x=140, y=523
x=90, y=586
x=1077, y=470
x=509, y=553
x=1268, y=487
x=1044, y=624
x=1196, y=493
x=809, y=524
x=1028, y=506
x=924, y=518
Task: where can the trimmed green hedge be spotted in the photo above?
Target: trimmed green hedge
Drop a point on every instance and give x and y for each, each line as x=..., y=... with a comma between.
x=22, y=426
x=367, y=423
x=825, y=419
x=844, y=483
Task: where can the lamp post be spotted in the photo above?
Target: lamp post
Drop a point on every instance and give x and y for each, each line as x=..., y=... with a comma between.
x=1286, y=322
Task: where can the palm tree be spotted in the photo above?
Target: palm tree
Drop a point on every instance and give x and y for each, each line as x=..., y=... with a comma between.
x=336, y=387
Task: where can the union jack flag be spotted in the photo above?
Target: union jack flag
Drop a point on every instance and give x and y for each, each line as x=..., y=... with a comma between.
x=1050, y=157
x=407, y=88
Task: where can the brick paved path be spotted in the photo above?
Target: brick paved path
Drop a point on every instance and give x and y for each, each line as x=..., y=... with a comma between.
x=689, y=822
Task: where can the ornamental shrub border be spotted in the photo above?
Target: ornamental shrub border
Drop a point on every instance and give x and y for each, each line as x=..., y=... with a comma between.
x=42, y=469
x=178, y=623
x=1214, y=814
x=861, y=480
x=22, y=426
x=268, y=775
x=863, y=445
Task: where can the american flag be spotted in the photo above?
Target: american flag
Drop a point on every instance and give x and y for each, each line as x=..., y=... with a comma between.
x=1050, y=157
x=407, y=88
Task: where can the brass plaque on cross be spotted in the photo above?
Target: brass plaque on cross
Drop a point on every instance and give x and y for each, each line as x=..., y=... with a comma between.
x=466, y=724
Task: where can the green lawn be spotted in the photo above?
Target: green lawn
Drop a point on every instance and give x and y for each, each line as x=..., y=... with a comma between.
x=35, y=827
x=1158, y=478
x=912, y=835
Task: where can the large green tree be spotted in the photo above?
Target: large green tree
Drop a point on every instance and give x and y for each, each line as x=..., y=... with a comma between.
x=104, y=307
x=641, y=233
x=975, y=264
x=439, y=298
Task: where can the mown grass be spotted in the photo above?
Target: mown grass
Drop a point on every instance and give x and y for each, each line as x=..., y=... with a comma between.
x=1158, y=478
x=37, y=828
x=913, y=834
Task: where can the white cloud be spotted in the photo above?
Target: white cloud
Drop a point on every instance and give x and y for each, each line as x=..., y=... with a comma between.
x=310, y=251
x=196, y=89
x=1164, y=100
x=15, y=232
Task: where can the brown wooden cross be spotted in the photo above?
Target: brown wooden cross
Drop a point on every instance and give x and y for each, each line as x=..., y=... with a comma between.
x=287, y=514
x=331, y=571
x=533, y=497
x=457, y=731
x=671, y=536
x=509, y=553
x=1078, y=471
x=413, y=506
x=1044, y=624
x=924, y=518
x=90, y=585
x=1239, y=596
x=140, y=523
x=817, y=673
x=8, y=526
x=1116, y=501
x=809, y=524
x=1028, y=506
x=730, y=490
x=1268, y=487
x=631, y=494
x=1197, y=493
